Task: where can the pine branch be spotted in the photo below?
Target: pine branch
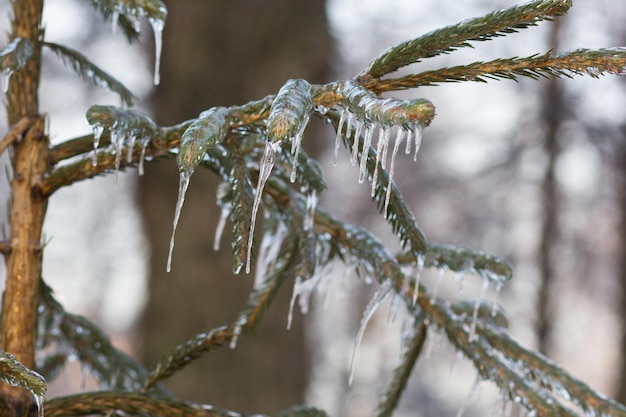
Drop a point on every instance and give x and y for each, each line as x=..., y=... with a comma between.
x=448, y=39
x=402, y=373
x=90, y=72
x=129, y=403
x=553, y=377
x=566, y=64
x=186, y=353
x=15, y=55
x=125, y=13
x=80, y=337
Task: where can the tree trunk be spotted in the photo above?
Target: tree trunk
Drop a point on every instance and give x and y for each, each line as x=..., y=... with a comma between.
x=222, y=53
x=28, y=207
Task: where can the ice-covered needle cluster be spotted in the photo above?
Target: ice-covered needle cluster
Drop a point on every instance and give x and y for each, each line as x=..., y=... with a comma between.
x=365, y=113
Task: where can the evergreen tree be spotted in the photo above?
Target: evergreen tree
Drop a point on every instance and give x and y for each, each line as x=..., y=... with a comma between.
x=255, y=150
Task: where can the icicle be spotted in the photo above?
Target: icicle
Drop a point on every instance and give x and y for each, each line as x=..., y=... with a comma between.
x=349, y=118
x=98, y=129
x=342, y=120
x=379, y=296
x=295, y=150
x=494, y=307
x=379, y=145
x=355, y=144
x=157, y=28
x=498, y=406
x=292, y=303
x=457, y=357
x=219, y=230
x=267, y=164
x=84, y=373
x=392, y=166
x=440, y=275
x=418, y=139
x=459, y=278
x=369, y=132
x=483, y=291
x=6, y=78
x=129, y=149
x=115, y=17
x=470, y=396
x=311, y=205
x=421, y=259
x=144, y=145
x=407, y=150
x=39, y=402
x=182, y=189
x=433, y=341
x=117, y=140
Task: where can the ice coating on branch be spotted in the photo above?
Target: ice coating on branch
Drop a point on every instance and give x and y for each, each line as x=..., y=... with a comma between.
x=265, y=169
x=377, y=299
x=182, y=190
x=157, y=28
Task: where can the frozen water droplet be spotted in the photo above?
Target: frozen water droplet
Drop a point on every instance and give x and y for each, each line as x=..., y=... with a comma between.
x=6, y=78
x=311, y=205
x=418, y=139
x=265, y=169
x=369, y=132
x=355, y=144
x=342, y=120
x=441, y=272
x=182, y=189
x=483, y=291
x=219, y=230
x=392, y=166
x=377, y=299
x=321, y=109
x=157, y=28
x=98, y=129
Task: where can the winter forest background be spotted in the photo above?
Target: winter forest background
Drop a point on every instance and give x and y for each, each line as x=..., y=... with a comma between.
x=558, y=144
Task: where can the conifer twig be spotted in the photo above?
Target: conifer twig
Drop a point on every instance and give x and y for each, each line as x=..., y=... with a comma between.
x=105, y=402
x=566, y=64
x=447, y=39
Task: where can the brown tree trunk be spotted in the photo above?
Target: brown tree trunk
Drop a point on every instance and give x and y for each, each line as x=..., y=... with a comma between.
x=222, y=53
x=28, y=207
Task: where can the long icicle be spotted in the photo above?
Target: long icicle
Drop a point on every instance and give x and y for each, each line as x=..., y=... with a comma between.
x=182, y=189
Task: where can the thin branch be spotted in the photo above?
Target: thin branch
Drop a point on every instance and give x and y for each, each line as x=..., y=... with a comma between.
x=103, y=403
x=450, y=38
x=16, y=133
